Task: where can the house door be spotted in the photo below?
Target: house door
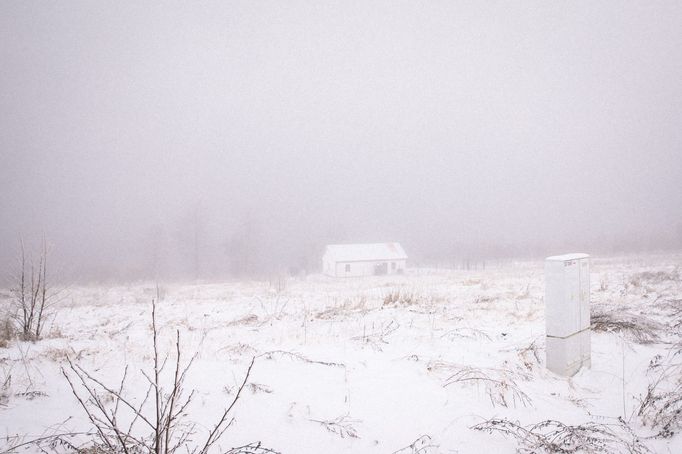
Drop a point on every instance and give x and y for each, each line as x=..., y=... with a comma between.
x=380, y=268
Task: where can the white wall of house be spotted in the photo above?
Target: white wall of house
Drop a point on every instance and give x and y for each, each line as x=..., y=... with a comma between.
x=364, y=268
x=350, y=260
x=329, y=266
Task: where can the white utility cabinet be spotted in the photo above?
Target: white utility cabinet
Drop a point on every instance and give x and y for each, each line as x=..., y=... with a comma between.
x=567, y=313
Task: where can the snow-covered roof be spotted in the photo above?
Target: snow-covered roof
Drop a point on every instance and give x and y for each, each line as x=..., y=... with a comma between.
x=365, y=252
x=567, y=257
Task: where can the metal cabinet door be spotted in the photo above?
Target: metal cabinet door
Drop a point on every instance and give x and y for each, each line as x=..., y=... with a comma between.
x=572, y=297
x=584, y=293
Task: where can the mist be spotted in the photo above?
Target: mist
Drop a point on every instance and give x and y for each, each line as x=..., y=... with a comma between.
x=238, y=138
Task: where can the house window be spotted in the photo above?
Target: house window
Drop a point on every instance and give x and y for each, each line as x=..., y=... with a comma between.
x=347, y=267
x=393, y=266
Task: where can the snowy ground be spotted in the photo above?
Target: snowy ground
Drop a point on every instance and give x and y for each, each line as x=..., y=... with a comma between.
x=341, y=352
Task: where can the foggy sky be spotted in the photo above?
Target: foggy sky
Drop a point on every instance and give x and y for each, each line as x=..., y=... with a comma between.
x=178, y=138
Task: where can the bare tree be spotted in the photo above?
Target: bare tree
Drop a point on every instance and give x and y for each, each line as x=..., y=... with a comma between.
x=32, y=295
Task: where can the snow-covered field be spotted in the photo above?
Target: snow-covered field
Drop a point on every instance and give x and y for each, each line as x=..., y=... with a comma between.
x=362, y=364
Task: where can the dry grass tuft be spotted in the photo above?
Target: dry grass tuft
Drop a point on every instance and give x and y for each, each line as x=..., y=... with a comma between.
x=654, y=277
x=466, y=333
x=485, y=299
x=499, y=384
x=238, y=350
x=256, y=388
x=637, y=327
x=247, y=320
x=661, y=408
x=397, y=298
x=556, y=437
x=671, y=310
x=350, y=306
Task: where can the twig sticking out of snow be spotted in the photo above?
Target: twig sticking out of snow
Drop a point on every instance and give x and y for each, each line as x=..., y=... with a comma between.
x=421, y=445
x=298, y=357
x=530, y=356
x=376, y=338
x=259, y=388
x=251, y=448
x=342, y=426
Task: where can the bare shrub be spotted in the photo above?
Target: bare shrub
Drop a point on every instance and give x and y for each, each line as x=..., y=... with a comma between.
x=7, y=332
x=556, y=437
x=278, y=284
x=637, y=327
x=5, y=383
x=158, y=424
x=32, y=296
x=273, y=308
x=661, y=408
x=499, y=384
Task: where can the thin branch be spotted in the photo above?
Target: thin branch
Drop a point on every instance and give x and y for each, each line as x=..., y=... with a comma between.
x=212, y=436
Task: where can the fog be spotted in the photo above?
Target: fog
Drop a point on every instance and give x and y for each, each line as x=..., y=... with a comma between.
x=215, y=139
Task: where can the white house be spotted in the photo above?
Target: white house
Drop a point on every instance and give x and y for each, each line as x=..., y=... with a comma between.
x=348, y=260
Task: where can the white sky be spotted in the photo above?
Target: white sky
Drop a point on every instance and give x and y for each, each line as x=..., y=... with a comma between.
x=457, y=128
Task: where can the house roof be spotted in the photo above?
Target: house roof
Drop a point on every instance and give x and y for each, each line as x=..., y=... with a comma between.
x=567, y=257
x=365, y=252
